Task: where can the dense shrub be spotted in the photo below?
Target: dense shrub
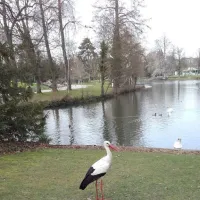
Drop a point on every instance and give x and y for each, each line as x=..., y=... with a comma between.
x=19, y=120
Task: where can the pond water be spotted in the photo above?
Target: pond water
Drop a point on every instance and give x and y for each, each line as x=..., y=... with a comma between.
x=128, y=119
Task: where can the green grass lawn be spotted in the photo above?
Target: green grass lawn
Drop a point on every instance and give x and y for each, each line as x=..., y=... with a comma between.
x=33, y=86
x=55, y=174
x=93, y=89
x=43, y=87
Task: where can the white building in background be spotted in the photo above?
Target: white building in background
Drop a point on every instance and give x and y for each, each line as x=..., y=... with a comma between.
x=191, y=71
x=188, y=71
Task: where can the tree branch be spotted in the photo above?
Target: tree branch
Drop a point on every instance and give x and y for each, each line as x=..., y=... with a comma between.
x=73, y=22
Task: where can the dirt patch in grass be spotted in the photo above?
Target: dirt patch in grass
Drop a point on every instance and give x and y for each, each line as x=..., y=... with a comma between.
x=15, y=147
x=123, y=148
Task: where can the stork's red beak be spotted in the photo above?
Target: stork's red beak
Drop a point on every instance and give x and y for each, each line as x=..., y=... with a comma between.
x=113, y=147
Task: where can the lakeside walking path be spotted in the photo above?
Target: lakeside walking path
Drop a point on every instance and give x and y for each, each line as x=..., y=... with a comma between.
x=74, y=87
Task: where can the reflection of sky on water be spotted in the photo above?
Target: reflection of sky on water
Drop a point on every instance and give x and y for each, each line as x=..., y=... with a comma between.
x=128, y=120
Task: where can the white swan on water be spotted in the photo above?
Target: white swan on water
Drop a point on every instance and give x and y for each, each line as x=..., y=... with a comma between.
x=147, y=86
x=178, y=144
x=170, y=111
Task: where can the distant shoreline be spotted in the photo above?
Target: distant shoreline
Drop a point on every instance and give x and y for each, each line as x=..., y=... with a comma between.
x=76, y=101
x=70, y=100
x=183, y=78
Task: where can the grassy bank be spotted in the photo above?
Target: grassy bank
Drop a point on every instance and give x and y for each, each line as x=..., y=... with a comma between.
x=188, y=77
x=93, y=89
x=55, y=174
x=77, y=96
x=33, y=86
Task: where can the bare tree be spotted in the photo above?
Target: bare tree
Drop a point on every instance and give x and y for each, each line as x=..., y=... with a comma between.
x=116, y=51
x=78, y=73
x=163, y=44
x=162, y=47
x=118, y=16
x=180, y=55
x=50, y=59
x=60, y=18
x=133, y=59
x=151, y=65
x=174, y=61
x=171, y=62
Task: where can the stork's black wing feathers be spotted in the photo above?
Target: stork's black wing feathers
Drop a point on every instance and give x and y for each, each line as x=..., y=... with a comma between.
x=90, y=171
x=89, y=178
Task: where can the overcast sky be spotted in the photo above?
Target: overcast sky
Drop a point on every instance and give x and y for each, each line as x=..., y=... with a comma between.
x=179, y=20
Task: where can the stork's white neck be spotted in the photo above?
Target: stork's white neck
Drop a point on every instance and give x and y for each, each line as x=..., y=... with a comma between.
x=109, y=154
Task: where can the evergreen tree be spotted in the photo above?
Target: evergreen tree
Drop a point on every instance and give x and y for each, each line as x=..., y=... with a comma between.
x=19, y=120
x=87, y=55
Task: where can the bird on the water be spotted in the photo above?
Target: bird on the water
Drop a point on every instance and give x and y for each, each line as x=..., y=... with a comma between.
x=98, y=170
x=178, y=144
x=170, y=111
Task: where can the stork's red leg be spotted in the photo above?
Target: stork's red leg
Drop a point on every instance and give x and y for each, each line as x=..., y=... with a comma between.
x=96, y=184
x=102, y=195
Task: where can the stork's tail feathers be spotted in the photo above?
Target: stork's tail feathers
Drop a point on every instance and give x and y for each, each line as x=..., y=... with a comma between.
x=83, y=184
x=87, y=180
x=90, y=178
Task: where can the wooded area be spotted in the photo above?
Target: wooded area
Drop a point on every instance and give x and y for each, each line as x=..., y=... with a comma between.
x=32, y=30
x=34, y=33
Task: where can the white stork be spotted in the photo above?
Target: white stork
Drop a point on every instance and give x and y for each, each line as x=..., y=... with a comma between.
x=99, y=169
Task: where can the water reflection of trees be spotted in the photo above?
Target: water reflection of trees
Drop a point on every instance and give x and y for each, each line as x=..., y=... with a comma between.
x=71, y=126
x=91, y=110
x=57, y=137
x=178, y=90
x=125, y=111
x=162, y=92
x=60, y=117
x=105, y=128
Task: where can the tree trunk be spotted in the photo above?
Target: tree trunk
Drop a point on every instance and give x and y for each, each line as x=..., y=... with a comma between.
x=63, y=45
x=116, y=51
x=38, y=85
x=38, y=74
x=51, y=64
